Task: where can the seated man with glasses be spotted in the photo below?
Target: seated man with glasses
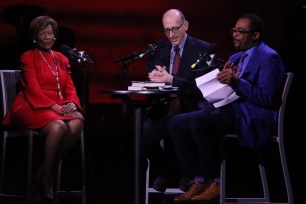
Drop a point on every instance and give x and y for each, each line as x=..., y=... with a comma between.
x=197, y=135
x=163, y=66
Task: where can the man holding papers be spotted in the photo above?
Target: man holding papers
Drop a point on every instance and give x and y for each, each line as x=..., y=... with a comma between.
x=256, y=82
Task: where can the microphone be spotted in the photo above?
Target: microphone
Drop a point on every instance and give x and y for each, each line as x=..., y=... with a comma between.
x=205, y=55
x=126, y=59
x=219, y=63
x=79, y=56
x=151, y=48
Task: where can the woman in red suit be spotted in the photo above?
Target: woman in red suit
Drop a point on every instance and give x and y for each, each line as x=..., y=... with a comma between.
x=48, y=101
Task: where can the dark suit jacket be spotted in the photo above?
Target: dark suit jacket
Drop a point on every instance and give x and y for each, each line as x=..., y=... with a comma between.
x=189, y=94
x=260, y=90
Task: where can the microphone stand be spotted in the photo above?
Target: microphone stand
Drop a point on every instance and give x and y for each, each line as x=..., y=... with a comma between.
x=84, y=96
x=83, y=68
x=126, y=67
x=84, y=99
x=126, y=61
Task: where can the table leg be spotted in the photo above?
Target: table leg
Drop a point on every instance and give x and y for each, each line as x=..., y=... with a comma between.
x=137, y=153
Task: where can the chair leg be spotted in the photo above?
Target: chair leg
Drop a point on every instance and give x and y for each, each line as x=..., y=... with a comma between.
x=83, y=168
x=223, y=182
x=147, y=183
x=28, y=194
x=223, y=172
x=169, y=191
x=30, y=163
x=3, y=157
x=264, y=181
x=286, y=176
x=232, y=200
x=59, y=177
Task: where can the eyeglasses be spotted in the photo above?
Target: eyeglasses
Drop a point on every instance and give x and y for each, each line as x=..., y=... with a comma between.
x=173, y=29
x=240, y=32
x=48, y=34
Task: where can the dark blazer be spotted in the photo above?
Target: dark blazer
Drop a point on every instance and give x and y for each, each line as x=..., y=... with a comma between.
x=189, y=94
x=260, y=90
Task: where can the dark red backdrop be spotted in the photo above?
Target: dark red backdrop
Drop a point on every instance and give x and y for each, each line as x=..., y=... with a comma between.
x=108, y=30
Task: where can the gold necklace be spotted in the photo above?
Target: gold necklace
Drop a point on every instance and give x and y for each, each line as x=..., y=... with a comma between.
x=54, y=73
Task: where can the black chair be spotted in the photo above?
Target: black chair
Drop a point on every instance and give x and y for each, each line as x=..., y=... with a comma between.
x=9, y=82
x=279, y=141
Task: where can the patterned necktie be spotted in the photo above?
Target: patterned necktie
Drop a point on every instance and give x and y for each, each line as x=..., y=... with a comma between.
x=241, y=62
x=176, y=60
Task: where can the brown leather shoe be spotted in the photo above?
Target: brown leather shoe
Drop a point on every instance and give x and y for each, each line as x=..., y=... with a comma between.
x=195, y=189
x=212, y=192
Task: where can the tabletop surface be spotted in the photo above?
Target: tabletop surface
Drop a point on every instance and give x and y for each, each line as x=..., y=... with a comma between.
x=151, y=91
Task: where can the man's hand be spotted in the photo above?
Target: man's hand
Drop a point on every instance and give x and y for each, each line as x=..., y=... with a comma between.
x=160, y=74
x=229, y=74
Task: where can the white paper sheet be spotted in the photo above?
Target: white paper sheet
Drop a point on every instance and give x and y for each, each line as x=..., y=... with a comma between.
x=215, y=92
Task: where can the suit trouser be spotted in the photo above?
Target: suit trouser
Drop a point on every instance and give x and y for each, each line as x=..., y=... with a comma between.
x=197, y=137
x=156, y=129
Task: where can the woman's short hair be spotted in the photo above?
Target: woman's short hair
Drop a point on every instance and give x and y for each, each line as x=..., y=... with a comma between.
x=41, y=22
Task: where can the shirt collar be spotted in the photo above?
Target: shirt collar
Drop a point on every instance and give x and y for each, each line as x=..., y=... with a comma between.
x=181, y=45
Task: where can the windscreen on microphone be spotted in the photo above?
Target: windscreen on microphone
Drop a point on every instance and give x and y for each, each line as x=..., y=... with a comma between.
x=161, y=44
x=212, y=48
x=65, y=49
x=147, y=51
x=157, y=45
x=205, y=55
x=151, y=48
x=73, y=53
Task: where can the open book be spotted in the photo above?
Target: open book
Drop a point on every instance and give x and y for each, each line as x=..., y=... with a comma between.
x=215, y=92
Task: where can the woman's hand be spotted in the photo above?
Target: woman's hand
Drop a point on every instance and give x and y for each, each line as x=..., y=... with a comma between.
x=67, y=108
x=74, y=114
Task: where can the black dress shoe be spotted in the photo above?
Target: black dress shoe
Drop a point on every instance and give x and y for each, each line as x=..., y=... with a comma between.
x=47, y=199
x=185, y=183
x=159, y=184
x=38, y=188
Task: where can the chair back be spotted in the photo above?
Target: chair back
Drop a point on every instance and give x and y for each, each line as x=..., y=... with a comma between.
x=10, y=85
x=281, y=113
x=279, y=139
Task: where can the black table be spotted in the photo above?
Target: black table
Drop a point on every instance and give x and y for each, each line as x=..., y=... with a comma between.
x=138, y=105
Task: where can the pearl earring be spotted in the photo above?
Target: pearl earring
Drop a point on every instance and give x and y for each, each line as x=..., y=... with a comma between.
x=34, y=41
